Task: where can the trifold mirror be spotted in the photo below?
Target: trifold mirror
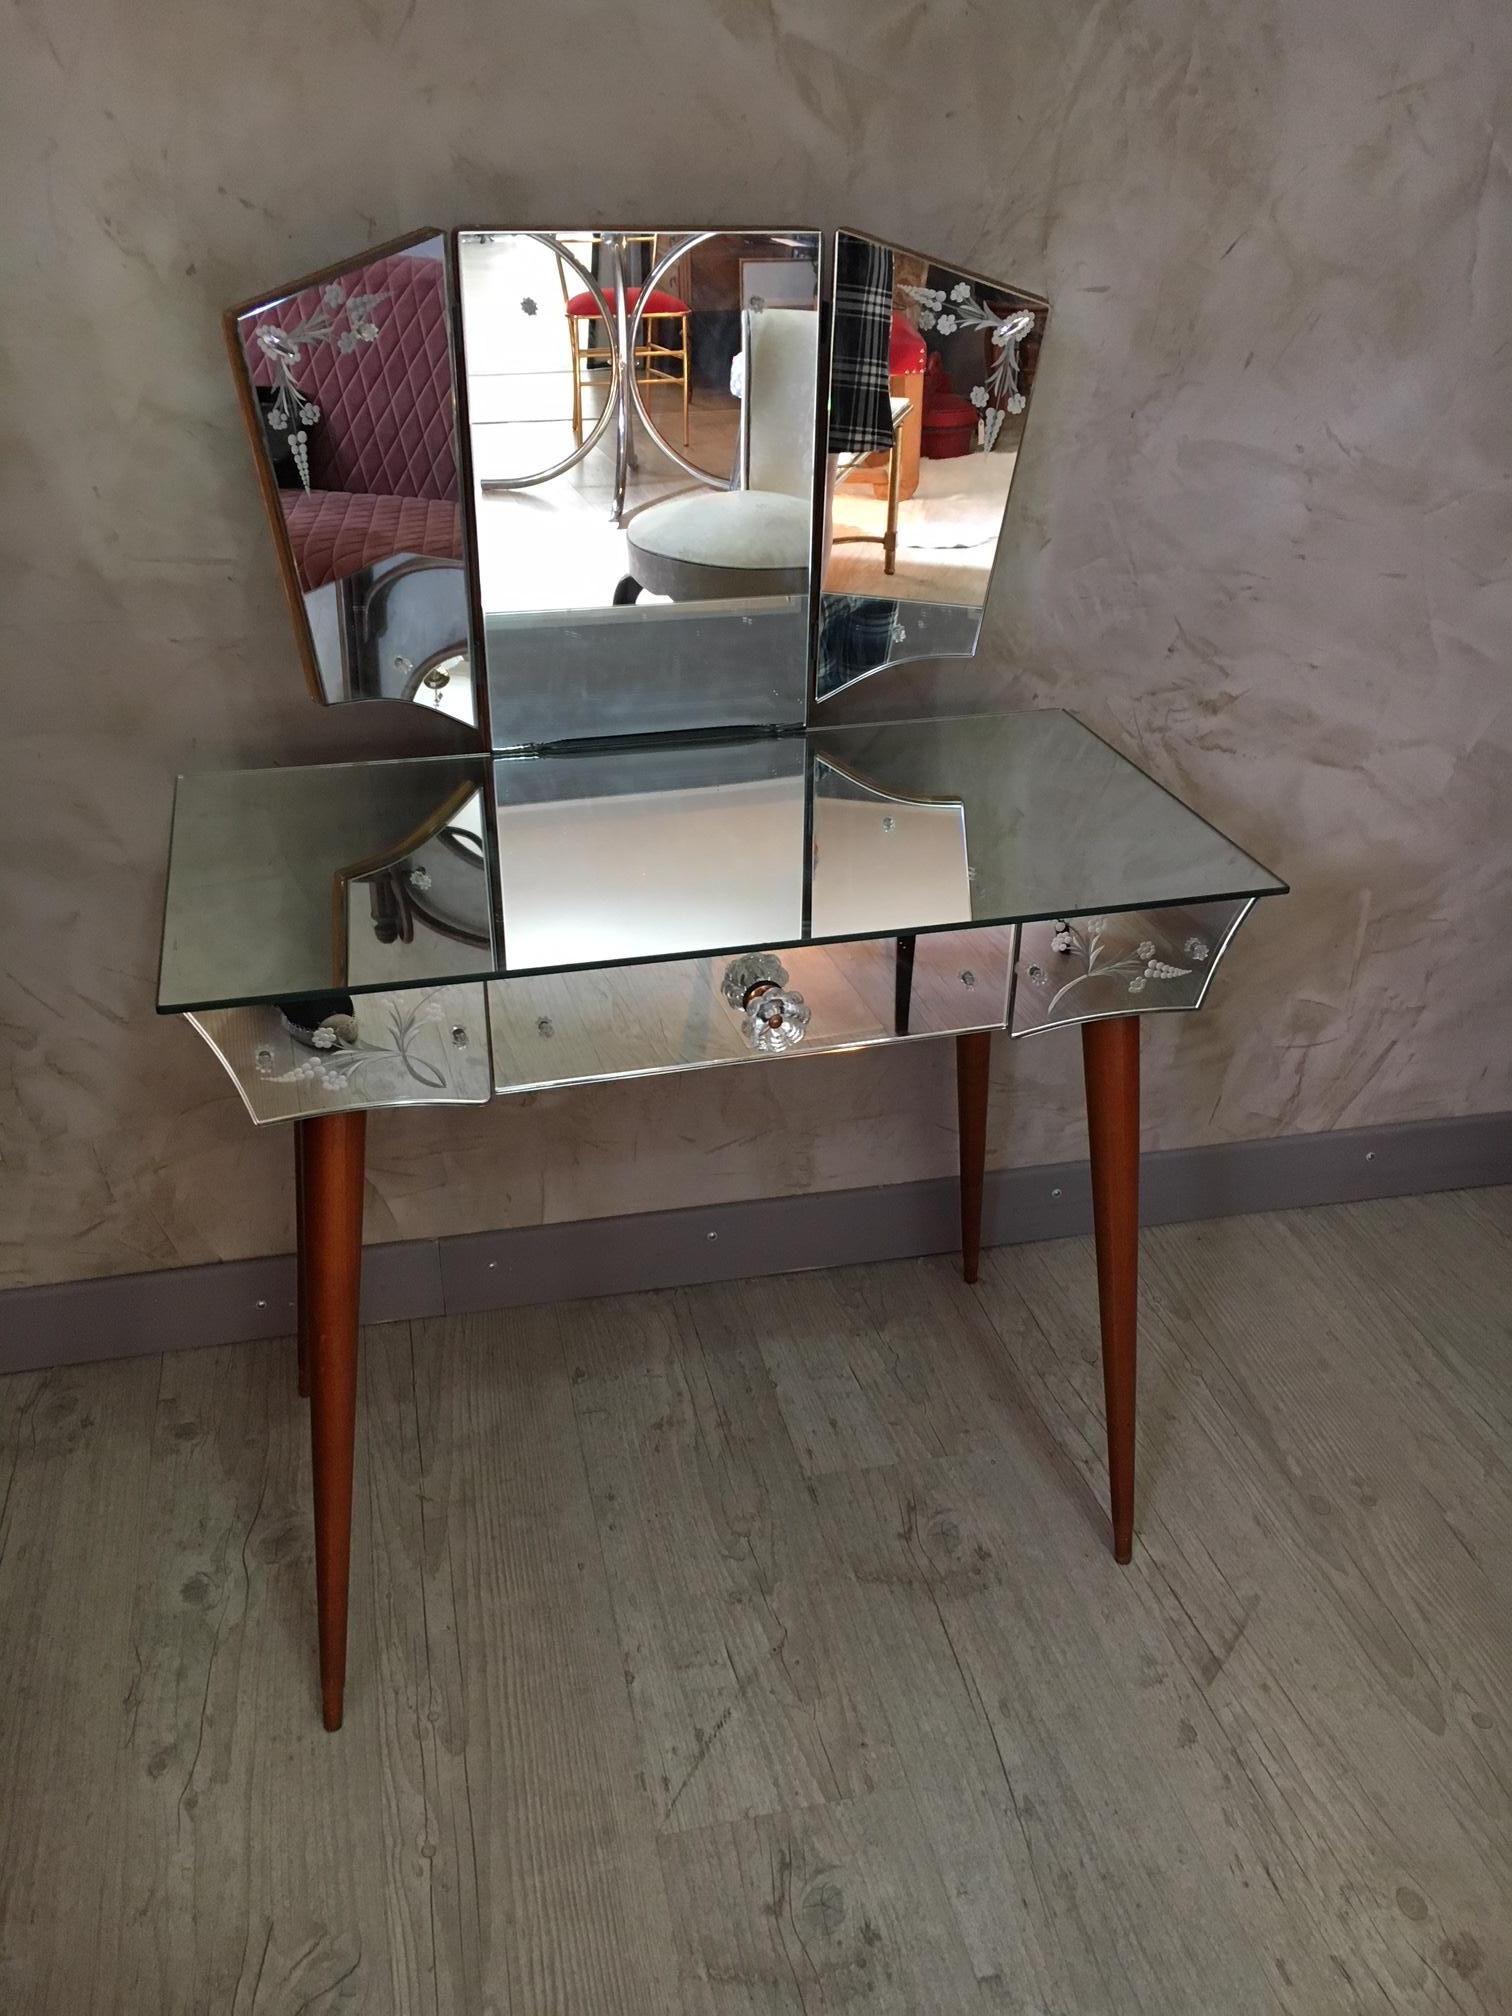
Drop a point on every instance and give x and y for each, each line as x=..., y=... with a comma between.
x=574, y=485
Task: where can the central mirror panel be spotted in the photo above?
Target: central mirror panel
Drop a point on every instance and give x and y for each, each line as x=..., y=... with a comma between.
x=641, y=409
x=650, y=852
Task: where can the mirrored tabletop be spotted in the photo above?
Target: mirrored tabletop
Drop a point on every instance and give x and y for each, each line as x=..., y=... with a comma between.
x=364, y=876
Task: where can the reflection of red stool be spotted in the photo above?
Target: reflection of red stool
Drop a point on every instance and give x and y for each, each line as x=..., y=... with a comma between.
x=950, y=422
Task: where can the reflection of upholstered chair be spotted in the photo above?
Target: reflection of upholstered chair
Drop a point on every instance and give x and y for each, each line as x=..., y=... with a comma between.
x=383, y=472
x=661, y=348
x=754, y=539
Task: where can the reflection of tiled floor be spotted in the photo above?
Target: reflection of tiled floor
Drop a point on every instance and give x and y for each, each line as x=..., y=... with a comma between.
x=955, y=499
x=554, y=545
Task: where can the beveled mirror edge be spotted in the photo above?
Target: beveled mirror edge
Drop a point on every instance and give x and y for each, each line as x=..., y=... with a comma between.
x=818, y=527
x=477, y=648
x=288, y=570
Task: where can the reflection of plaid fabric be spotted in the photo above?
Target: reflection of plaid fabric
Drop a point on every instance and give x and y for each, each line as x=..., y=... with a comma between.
x=855, y=636
x=860, y=419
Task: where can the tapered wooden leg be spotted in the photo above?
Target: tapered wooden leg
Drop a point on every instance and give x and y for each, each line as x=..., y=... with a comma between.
x=302, y=1271
x=973, y=1073
x=332, y=1228
x=1110, y=1054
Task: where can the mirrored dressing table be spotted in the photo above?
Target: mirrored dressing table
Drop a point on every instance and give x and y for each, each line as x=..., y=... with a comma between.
x=590, y=495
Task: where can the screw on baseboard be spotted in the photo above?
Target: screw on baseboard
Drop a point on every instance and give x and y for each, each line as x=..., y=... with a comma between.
x=1055, y=1193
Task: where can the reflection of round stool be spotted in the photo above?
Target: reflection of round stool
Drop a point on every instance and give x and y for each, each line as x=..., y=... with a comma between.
x=721, y=544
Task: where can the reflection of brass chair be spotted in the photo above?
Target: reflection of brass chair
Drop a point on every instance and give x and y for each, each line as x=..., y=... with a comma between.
x=754, y=539
x=895, y=473
x=887, y=539
x=655, y=357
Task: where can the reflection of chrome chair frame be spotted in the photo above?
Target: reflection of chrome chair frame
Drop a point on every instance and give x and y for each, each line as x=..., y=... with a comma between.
x=397, y=896
x=887, y=539
x=652, y=355
x=356, y=640
x=378, y=868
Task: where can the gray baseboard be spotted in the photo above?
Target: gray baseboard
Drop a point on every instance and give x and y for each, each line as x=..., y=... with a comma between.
x=127, y=1314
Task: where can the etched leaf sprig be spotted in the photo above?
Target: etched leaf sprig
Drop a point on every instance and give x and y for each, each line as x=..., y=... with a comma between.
x=1136, y=969
x=293, y=411
x=1001, y=393
x=342, y=1066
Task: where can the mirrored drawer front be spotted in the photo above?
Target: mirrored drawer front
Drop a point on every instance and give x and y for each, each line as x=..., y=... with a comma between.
x=629, y=1021
x=418, y=1047
x=1137, y=962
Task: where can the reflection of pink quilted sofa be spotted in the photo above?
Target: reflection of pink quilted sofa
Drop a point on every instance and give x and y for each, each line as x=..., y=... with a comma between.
x=383, y=466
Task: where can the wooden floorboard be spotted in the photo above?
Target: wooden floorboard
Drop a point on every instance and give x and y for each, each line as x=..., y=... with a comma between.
x=75, y=1454
x=758, y=1648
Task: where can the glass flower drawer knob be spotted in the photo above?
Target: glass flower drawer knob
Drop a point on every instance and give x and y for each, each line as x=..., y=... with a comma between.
x=772, y=1017
x=774, y=1020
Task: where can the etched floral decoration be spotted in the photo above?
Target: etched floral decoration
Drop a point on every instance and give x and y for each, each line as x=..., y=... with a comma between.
x=1138, y=962
x=1086, y=941
x=1001, y=392
x=342, y=1059
x=293, y=412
